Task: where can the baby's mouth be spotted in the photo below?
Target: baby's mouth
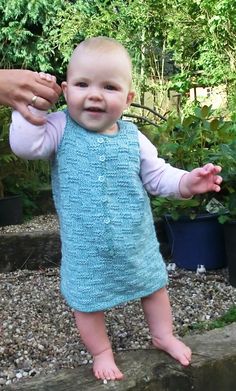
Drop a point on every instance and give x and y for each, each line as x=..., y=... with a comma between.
x=94, y=109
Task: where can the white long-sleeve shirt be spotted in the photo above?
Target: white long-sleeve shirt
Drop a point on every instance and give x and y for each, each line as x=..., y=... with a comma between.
x=41, y=142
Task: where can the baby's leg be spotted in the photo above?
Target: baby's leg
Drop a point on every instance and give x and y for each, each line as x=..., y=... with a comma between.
x=158, y=314
x=93, y=333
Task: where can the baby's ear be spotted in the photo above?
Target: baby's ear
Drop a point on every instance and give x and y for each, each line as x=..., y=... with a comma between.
x=64, y=89
x=130, y=98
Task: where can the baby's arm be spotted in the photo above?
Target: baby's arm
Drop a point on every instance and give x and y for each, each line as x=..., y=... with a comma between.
x=36, y=142
x=160, y=178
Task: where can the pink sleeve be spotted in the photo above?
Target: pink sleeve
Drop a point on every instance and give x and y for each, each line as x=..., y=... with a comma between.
x=40, y=142
x=36, y=142
x=158, y=177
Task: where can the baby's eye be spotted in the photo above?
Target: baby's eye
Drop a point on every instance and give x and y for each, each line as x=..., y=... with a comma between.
x=81, y=84
x=110, y=87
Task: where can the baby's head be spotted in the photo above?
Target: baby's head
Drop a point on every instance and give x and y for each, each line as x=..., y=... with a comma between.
x=98, y=86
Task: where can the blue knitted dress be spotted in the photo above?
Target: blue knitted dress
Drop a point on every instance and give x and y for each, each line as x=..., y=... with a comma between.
x=110, y=253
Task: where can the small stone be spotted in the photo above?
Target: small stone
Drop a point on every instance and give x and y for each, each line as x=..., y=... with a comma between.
x=2, y=381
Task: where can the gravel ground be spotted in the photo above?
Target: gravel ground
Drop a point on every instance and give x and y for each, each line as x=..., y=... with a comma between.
x=38, y=333
x=39, y=223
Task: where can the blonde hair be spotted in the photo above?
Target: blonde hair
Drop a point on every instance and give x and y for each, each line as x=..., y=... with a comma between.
x=104, y=44
x=101, y=45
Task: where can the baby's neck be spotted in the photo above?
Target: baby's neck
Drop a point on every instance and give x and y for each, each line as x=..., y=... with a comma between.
x=112, y=130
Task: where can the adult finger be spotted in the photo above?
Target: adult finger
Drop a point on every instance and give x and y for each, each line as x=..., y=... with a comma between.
x=40, y=103
x=47, y=92
x=29, y=116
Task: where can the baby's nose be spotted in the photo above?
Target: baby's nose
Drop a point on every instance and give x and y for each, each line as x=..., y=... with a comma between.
x=95, y=94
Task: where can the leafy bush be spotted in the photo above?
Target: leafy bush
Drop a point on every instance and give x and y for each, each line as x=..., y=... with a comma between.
x=190, y=142
x=25, y=35
x=18, y=176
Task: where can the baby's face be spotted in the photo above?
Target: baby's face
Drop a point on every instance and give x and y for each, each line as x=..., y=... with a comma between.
x=98, y=89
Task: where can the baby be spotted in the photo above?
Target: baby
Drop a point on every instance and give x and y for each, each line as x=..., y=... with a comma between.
x=102, y=169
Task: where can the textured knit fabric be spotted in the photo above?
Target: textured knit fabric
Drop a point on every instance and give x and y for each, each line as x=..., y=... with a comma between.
x=110, y=253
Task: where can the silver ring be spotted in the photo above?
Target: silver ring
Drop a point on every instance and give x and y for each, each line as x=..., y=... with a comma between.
x=33, y=100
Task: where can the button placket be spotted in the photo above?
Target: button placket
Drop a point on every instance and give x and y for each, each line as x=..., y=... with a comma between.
x=102, y=158
x=102, y=179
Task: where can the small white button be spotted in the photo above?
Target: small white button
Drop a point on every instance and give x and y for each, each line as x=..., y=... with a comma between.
x=100, y=140
x=107, y=220
x=104, y=199
x=102, y=158
x=101, y=178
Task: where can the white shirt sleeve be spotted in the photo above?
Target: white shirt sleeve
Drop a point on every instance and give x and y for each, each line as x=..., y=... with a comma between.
x=158, y=177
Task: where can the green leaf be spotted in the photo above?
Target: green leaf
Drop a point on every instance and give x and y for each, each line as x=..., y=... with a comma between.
x=214, y=124
x=206, y=110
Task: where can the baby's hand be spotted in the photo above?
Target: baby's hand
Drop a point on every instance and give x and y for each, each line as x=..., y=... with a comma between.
x=37, y=101
x=201, y=180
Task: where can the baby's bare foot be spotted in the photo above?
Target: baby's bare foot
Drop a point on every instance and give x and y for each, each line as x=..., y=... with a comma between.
x=175, y=348
x=104, y=366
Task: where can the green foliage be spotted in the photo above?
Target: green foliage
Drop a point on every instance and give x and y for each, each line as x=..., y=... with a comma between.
x=24, y=41
x=18, y=176
x=190, y=142
x=7, y=159
x=224, y=320
x=199, y=35
x=178, y=208
x=226, y=156
x=203, y=41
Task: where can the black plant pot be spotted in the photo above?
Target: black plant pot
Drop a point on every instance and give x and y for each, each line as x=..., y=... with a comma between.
x=196, y=242
x=11, y=210
x=230, y=247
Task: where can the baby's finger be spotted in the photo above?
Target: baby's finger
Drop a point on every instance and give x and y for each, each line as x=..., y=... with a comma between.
x=47, y=76
x=218, y=180
x=42, y=75
x=218, y=169
x=216, y=188
x=210, y=168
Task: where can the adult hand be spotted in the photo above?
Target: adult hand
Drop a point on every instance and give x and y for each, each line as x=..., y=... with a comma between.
x=18, y=87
